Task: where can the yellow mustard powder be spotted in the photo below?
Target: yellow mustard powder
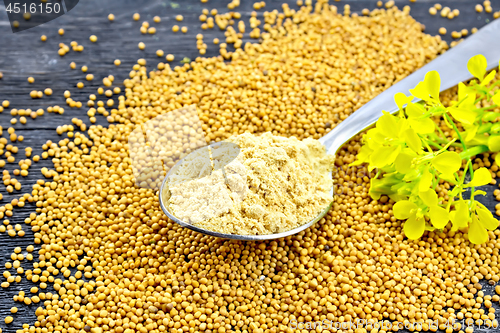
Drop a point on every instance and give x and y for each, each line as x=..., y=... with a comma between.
x=275, y=184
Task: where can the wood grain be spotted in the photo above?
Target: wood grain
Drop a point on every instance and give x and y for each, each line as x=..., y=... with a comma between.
x=23, y=54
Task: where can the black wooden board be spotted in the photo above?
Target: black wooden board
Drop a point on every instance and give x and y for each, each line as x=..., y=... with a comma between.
x=22, y=55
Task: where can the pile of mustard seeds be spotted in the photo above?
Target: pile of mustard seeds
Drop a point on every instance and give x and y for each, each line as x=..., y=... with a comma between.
x=137, y=271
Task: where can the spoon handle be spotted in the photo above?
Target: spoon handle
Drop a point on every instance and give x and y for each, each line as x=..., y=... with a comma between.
x=452, y=67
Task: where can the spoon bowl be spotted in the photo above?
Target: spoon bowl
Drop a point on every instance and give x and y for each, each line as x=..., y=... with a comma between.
x=166, y=209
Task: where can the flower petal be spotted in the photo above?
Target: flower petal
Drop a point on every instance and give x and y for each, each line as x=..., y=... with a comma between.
x=485, y=218
x=429, y=197
x=439, y=216
x=477, y=233
x=414, y=227
x=403, y=209
x=461, y=216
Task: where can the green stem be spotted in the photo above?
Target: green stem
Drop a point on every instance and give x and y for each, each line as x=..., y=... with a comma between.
x=460, y=101
x=463, y=178
x=481, y=91
x=465, y=173
x=456, y=130
x=427, y=146
x=494, y=84
x=436, y=138
x=432, y=143
x=494, y=106
x=471, y=172
x=424, y=158
x=466, y=151
x=471, y=152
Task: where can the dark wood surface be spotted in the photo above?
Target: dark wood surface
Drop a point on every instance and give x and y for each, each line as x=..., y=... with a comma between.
x=22, y=55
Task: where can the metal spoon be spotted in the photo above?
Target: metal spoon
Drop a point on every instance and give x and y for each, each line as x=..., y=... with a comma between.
x=452, y=67
x=167, y=210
